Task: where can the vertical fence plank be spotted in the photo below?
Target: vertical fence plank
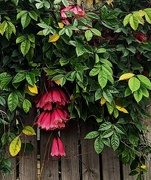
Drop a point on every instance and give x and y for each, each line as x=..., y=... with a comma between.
x=28, y=160
x=70, y=163
x=110, y=165
x=126, y=171
x=147, y=176
x=10, y=176
x=90, y=160
x=49, y=166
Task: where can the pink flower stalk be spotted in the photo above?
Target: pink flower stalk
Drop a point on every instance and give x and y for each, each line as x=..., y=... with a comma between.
x=71, y=8
x=57, y=148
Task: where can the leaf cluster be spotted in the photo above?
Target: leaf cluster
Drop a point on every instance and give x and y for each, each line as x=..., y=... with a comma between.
x=102, y=60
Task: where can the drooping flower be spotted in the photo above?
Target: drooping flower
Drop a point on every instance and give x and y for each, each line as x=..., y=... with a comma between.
x=71, y=8
x=53, y=96
x=141, y=36
x=53, y=120
x=57, y=148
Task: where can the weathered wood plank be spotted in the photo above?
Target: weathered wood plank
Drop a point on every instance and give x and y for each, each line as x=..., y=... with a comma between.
x=28, y=160
x=10, y=176
x=147, y=176
x=49, y=165
x=70, y=163
x=110, y=165
x=126, y=171
x=90, y=160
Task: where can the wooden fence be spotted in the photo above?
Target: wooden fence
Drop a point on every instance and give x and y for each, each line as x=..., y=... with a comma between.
x=81, y=162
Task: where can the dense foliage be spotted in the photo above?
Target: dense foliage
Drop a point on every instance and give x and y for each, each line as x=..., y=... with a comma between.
x=100, y=56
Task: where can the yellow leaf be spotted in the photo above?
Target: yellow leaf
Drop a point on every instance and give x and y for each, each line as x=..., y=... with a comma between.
x=90, y=2
x=33, y=89
x=126, y=76
x=29, y=131
x=15, y=146
x=109, y=2
x=121, y=109
x=60, y=24
x=141, y=13
x=71, y=97
x=143, y=166
x=57, y=81
x=102, y=101
x=53, y=38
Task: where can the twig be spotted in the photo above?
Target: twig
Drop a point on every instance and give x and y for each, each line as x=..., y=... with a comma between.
x=44, y=159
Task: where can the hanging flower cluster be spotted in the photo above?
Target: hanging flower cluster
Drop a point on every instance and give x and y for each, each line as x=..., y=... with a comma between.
x=72, y=9
x=54, y=114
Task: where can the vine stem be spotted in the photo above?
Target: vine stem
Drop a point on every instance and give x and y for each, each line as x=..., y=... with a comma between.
x=44, y=159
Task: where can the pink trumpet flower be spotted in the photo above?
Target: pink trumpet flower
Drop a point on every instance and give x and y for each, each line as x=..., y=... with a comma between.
x=53, y=120
x=57, y=148
x=71, y=8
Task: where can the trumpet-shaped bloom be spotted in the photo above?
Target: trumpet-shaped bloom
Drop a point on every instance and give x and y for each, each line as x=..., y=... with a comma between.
x=53, y=96
x=71, y=8
x=53, y=120
x=57, y=148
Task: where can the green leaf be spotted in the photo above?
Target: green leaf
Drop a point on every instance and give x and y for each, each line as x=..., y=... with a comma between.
x=25, y=20
x=4, y=139
x=19, y=77
x=144, y=80
x=115, y=142
x=26, y=105
x=145, y=91
x=21, y=39
x=134, y=84
x=15, y=146
x=94, y=71
x=92, y=135
x=21, y=13
x=12, y=27
x=108, y=133
x=12, y=101
x=2, y=101
x=107, y=95
x=133, y=22
x=65, y=3
x=105, y=126
x=15, y=2
x=102, y=79
x=110, y=108
x=30, y=77
x=80, y=50
x=29, y=131
x=138, y=95
x=31, y=38
x=148, y=15
x=101, y=50
x=3, y=27
x=8, y=32
x=98, y=145
x=88, y=35
x=33, y=15
x=126, y=19
x=96, y=32
x=25, y=46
